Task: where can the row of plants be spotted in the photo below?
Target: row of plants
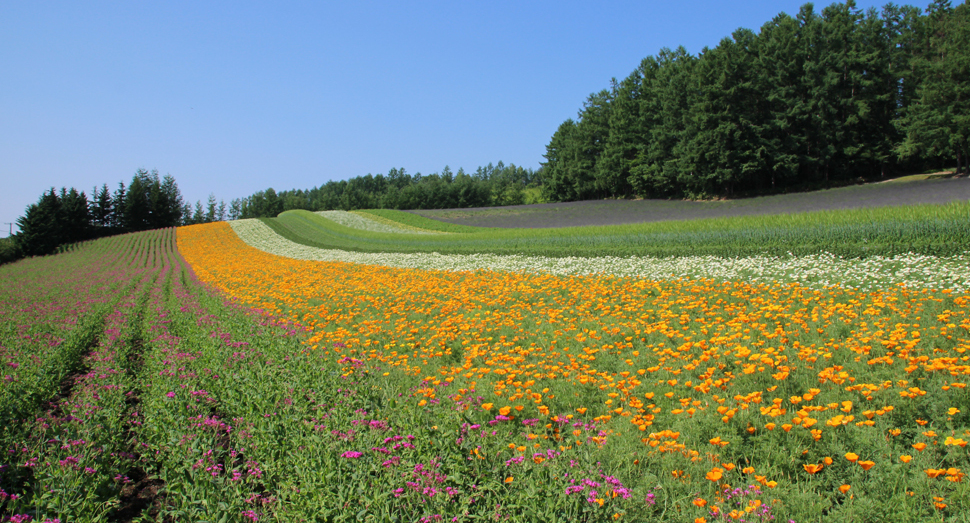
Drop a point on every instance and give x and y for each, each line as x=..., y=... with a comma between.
x=542, y=397
x=69, y=412
x=113, y=428
x=924, y=229
x=209, y=380
x=816, y=271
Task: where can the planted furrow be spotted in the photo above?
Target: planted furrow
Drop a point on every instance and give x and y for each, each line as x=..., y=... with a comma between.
x=72, y=457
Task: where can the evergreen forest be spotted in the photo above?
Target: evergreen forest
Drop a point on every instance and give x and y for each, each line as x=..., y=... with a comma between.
x=69, y=216
x=808, y=101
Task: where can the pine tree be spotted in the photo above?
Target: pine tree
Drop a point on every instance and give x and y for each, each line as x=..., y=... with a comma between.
x=559, y=154
x=101, y=207
x=74, y=217
x=624, y=139
x=137, y=216
x=40, y=226
x=938, y=122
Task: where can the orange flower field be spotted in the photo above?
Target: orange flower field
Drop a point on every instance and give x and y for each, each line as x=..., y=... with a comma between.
x=708, y=400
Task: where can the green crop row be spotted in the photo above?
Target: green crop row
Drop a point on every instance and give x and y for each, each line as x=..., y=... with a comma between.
x=419, y=222
x=924, y=229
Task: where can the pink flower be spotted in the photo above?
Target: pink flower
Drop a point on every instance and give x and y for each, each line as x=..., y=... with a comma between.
x=171, y=394
x=352, y=454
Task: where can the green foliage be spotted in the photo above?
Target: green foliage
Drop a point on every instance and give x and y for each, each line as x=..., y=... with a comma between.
x=118, y=361
x=148, y=202
x=9, y=251
x=925, y=229
x=420, y=222
x=487, y=186
x=810, y=100
x=938, y=122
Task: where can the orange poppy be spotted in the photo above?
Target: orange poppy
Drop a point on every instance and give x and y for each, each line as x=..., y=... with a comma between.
x=813, y=468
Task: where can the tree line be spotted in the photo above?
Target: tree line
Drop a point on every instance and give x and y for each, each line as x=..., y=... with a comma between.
x=69, y=216
x=810, y=100
x=488, y=186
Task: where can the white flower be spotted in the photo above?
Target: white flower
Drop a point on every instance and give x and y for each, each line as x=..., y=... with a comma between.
x=364, y=223
x=818, y=270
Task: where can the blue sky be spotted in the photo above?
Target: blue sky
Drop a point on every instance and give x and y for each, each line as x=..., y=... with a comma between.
x=235, y=97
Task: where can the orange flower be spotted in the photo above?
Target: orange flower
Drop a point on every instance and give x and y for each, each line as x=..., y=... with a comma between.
x=581, y=410
x=866, y=465
x=508, y=479
x=505, y=410
x=935, y=473
x=718, y=442
x=748, y=470
x=827, y=460
x=950, y=440
x=919, y=446
x=487, y=406
x=851, y=456
x=905, y=458
x=700, y=502
x=813, y=468
x=715, y=474
x=844, y=488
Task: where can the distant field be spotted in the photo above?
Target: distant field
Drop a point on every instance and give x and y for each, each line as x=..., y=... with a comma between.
x=620, y=212
x=939, y=230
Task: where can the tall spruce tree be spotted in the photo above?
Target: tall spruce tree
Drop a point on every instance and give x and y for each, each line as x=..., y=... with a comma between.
x=559, y=152
x=624, y=139
x=938, y=122
x=74, y=216
x=40, y=226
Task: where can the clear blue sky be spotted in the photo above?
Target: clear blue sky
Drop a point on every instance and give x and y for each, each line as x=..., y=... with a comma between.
x=235, y=97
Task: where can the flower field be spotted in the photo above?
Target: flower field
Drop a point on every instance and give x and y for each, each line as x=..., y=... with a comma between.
x=190, y=376
x=597, y=397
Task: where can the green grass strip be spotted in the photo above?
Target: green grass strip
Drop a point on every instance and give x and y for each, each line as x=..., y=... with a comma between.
x=419, y=222
x=923, y=229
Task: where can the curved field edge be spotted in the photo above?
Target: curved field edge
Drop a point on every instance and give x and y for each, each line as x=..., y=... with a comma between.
x=814, y=405
x=922, y=229
x=417, y=221
x=366, y=222
x=612, y=212
x=817, y=271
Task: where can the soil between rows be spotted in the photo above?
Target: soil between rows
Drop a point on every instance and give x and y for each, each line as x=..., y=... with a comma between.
x=618, y=212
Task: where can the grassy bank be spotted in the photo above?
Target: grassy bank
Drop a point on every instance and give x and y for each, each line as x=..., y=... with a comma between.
x=925, y=229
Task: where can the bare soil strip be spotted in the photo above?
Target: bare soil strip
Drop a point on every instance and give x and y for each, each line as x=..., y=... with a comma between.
x=617, y=212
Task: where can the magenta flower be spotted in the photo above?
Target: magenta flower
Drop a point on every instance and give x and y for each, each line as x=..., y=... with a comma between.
x=352, y=454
